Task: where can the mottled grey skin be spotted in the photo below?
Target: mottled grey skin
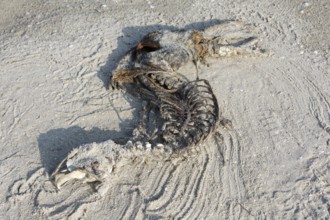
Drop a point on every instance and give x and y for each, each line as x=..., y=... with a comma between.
x=168, y=50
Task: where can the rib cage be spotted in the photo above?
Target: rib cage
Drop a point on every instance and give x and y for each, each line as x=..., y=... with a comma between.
x=185, y=115
x=192, y=118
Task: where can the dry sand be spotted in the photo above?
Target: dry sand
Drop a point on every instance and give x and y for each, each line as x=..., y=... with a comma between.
x=55, y=60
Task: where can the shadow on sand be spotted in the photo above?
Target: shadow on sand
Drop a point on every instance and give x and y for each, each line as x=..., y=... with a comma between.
x=55, y=144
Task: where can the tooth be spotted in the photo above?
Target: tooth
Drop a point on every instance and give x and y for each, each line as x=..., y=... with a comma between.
x=162, y=81
x=170, y=86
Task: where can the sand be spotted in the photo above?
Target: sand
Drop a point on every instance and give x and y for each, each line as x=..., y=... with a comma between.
x=273, y=163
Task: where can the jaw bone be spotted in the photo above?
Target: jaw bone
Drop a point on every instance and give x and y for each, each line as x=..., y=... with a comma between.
x=94, y=163
x=89, y=163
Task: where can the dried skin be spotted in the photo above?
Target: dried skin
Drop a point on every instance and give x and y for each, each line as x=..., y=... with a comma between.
x=168, y=50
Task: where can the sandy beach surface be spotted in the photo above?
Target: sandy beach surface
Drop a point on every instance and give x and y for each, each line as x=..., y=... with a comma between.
x=56, y=59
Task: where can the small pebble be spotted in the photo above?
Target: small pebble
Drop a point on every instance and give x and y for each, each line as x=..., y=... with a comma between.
x=306, y=4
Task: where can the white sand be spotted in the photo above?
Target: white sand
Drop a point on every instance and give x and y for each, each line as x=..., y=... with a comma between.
x=55, y=58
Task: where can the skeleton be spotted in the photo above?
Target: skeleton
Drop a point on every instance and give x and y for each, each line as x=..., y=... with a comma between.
x=186, y=112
